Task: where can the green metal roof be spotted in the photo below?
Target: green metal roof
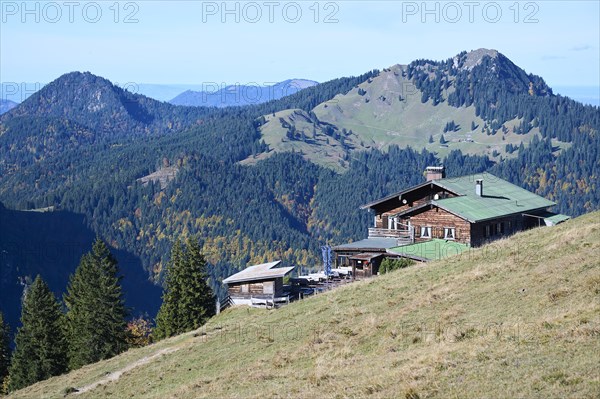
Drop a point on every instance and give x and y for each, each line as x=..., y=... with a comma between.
x=374, y=243
x=499, y=198
x=552, y=219
x=430, y=250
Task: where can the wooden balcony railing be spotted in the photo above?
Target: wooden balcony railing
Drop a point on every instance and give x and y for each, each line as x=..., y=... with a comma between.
x=404, y=234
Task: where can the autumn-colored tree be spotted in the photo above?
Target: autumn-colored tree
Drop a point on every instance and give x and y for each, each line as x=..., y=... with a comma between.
x=4, y=352
x=139, y=332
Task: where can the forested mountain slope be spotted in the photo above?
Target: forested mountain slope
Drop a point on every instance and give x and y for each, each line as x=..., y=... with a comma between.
x=256, y=185
x=51, y=244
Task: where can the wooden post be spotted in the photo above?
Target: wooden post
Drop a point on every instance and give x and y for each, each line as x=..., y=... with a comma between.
x=218, y=306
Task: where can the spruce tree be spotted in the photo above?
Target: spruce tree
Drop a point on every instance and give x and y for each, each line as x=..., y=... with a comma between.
x=40, y=350
x=95, y=320
x=167, y=319
x=4, y=351
x=197, y=300
x=188, y=300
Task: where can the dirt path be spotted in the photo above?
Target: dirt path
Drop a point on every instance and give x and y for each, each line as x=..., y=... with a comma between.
x=115, y=375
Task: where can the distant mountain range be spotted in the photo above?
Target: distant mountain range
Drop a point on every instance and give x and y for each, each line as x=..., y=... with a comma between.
x=165, y=92
x=6, y=105
x=207, y=94
x=161, y=92
x=238, y=95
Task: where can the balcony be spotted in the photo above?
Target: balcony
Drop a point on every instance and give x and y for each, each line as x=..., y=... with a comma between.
x=403, y=234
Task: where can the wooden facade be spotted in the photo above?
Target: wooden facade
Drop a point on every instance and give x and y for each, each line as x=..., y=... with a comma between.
x=435, y=223
x=263, y=288
x=429, y=221
x=484, y=232
x=365, y=264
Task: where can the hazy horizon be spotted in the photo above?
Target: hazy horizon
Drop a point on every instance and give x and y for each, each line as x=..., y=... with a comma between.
x=589, y=95
x=181, y=41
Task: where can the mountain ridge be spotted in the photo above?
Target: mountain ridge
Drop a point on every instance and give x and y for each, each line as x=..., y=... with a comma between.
x=94, y=101
x=240, y=94
x=409, y=105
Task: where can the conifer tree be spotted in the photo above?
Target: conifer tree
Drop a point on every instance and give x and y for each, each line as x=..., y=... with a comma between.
x=95, y=320
x=4, y=351
x=167, y=319
x=40, y=350
x=188, y=300
x=197, y=300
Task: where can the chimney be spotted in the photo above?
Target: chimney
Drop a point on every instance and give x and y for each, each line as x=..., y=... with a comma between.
x=435, y=173
x=479, y=187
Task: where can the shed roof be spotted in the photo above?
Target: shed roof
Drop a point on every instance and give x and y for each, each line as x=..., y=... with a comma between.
x=263, y=271
x=552, y=219
x=368, y=256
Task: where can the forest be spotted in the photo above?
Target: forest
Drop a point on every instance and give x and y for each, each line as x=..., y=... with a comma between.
x=60, y=149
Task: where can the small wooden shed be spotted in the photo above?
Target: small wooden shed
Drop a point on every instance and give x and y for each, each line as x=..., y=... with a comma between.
x=365, y=264
x=258, y=281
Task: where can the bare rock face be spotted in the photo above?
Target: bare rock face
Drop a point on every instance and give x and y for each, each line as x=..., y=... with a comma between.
x=162, y=176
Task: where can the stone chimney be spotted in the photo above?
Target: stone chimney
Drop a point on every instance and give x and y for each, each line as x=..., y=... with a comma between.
x=435, y=173
x=479, y=187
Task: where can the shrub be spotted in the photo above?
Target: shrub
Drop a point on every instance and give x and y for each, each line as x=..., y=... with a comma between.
x=388, y=265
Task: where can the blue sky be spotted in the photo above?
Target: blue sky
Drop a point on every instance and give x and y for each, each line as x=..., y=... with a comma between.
x=194, y=42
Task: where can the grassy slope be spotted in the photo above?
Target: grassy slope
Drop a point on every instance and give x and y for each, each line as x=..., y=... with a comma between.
x=518, y=318
x=319, y=148
x=380, y=118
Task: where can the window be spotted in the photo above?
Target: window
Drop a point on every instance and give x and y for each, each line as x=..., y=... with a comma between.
x=245, y=288
x=449, y=233
x=499, y=228
x=425, y=232
x=487, y=230
x=268, y=287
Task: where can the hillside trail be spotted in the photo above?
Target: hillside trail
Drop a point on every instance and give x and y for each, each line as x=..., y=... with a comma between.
x=115, y=375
